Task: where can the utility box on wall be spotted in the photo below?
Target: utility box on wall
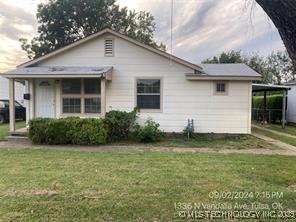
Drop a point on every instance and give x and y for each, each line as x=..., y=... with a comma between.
x=27, y=96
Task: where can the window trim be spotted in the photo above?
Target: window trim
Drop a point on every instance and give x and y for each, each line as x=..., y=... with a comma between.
x=216, y=93
x=82, y=96
x=113, y=42
x=160, y=110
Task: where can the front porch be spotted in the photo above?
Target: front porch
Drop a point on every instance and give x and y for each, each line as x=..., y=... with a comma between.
x=58, y=92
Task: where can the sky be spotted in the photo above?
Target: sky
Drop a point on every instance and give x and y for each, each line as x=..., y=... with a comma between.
x=201, y=28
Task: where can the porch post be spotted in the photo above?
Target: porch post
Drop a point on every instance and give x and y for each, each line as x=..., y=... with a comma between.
x=11, y=106
x=284, y=109
x=103, y=97
x=32, y=98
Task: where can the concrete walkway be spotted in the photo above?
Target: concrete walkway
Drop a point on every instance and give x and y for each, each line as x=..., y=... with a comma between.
x=273, y=131
x=131, y=149
x=278, y=143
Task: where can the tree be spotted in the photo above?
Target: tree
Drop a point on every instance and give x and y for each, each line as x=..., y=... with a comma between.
x=260, y=65
x=283, y=15
x=62, y=22
x=280, y=65
x=229, y=57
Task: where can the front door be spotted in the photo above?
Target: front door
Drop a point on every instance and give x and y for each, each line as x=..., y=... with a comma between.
x=45, y=98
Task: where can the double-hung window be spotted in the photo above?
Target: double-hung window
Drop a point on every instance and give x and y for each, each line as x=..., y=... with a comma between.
x=149, y=94
x=81, y=96
x=220, y=88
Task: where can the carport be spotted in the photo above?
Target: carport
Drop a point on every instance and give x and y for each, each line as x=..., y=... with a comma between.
x=272, y=88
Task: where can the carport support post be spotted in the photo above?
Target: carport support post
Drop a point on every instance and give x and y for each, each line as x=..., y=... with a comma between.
x=284, y=109
x=264, y=108
x=11, y=106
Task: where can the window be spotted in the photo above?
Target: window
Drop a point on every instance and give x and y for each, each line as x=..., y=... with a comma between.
x=148, y=94
x=71, y=105
x=92, y=105
x=71, y=86
x=81, y=96
x=92, y=86
x=109, y=46
x=220, y=88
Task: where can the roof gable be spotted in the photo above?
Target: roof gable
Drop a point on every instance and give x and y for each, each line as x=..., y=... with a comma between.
x=109, y=31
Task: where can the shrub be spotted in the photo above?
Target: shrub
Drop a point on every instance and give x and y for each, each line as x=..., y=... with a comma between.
x=120, y=124
x=72, y=130
x=272, y=102
x=92, y=132
x=273, y=105
x=148, y=133
x=37, y=130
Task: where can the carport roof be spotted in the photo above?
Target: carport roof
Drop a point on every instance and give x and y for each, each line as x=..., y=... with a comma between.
x=268, y=87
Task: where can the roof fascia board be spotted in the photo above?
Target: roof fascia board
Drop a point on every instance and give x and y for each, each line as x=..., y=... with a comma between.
x=191, y=77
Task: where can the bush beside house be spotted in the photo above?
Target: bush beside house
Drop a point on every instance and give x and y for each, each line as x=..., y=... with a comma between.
x=120, y=124
x=117, y=125
x=69, y=130
x=148, y=133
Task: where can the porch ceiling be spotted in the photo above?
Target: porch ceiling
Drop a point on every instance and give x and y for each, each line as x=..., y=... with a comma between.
x=60, y=72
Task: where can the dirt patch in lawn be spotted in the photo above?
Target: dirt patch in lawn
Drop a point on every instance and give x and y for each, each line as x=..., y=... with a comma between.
x=29, y=193
x=292, y=187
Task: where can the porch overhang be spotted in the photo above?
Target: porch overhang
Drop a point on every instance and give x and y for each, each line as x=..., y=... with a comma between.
x=54, y=72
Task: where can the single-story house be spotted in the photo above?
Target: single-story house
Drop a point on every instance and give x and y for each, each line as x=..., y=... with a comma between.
x=291, y=110
x=110, y=71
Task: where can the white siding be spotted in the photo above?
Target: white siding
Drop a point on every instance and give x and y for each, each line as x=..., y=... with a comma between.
x=291, y=111
x=19, y=90
x=182, y=99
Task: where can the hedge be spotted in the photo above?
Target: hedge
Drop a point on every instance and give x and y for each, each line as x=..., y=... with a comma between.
x=272, y=102
x=117, y=125
x=71, y=130
x=273, y=107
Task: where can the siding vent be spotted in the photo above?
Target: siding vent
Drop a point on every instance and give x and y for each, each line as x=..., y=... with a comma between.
x=109, y=47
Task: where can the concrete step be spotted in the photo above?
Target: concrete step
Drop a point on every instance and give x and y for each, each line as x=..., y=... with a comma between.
x=21, y=139
x=19, y=133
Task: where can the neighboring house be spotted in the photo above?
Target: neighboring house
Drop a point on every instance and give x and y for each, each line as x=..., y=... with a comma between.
x=291, y=110
x=110, y=71
x=19, y=90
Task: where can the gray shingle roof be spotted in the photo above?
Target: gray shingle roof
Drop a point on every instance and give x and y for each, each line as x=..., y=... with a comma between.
x=235, y=69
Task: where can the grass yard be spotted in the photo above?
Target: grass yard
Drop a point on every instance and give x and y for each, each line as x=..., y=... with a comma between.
x=4, y=128
x=289, y=129
x=285, y=139
x=44, y=185
x=207, y=140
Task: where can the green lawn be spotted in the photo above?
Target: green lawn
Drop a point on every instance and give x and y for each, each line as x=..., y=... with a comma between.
x=131, y=186
x=288, y=129
x=4, y=128
x=207, y=140
x=285, y=139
